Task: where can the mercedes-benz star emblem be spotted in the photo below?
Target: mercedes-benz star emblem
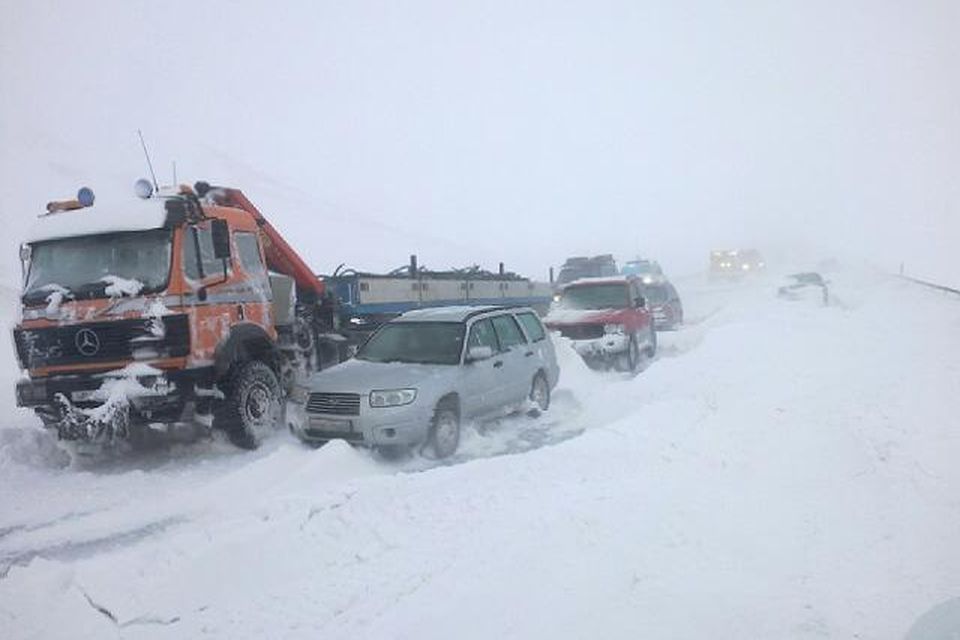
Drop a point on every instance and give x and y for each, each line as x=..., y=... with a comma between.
x=87, y=342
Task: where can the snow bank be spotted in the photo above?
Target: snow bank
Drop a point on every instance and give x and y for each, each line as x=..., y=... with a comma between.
x=788, y=472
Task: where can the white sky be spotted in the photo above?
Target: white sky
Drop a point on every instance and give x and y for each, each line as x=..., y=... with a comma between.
x=525, y=132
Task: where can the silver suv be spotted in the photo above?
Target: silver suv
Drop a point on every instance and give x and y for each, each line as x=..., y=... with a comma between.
x=420, y=375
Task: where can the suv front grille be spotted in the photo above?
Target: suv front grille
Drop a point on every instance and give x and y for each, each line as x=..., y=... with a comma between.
x=341, y=404
x=582, y=331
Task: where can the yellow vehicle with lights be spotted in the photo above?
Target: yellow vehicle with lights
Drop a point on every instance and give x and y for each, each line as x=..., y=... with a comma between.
x=735, y=263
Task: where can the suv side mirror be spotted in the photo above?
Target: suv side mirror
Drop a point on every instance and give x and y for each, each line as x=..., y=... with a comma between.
x=220, y=234
x=479, y=353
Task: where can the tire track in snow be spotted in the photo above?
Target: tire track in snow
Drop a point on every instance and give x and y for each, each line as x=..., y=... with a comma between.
x=76, y=550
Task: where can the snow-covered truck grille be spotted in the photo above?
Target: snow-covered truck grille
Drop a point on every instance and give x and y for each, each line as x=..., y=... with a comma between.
x=582, y=331
x=341, y=404
x=91, y=342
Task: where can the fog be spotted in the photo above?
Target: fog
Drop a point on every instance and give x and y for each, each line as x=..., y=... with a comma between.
x=479, y=132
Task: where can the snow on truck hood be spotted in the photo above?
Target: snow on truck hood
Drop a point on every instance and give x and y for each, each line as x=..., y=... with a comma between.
x=362, y=376
x=122, y=214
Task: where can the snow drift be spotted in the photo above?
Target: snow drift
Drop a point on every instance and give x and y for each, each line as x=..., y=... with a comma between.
x=781, y=471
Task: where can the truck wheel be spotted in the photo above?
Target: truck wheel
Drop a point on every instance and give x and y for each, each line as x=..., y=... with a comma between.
x=540, y=394
x=632, y=357
x=651, y=349
x=252, y=408
x=444, y=429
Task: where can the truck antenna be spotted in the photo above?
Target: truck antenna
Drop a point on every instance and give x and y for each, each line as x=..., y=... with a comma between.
x=149, y=164
x=174, y=173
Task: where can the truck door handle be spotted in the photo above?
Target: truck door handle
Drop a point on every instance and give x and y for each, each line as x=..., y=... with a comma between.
x=498, y=364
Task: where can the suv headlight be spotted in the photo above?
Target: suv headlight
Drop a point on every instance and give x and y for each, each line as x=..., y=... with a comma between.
x=614, y=328
x=299, y=394
x=392, y=397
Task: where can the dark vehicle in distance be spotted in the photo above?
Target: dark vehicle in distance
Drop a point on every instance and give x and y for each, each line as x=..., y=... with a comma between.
x=663, y=301
x=580, y=267
x=647, y=270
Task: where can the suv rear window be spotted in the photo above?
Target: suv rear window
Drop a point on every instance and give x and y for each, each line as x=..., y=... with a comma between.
x=532, y=326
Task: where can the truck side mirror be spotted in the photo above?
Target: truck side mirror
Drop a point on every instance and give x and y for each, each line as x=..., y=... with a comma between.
x=220, y=234
x=640, y=302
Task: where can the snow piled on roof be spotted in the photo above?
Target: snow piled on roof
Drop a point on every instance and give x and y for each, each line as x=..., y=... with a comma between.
x=453, y=313
x=121, y=214
x=579, y=282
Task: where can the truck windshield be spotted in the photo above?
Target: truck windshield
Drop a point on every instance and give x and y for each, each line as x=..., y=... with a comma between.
x=656, y=294
x=85, y=265
x=596, y=296
x=415, y=342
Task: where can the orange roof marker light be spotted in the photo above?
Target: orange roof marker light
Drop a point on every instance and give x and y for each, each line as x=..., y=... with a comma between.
x=84, y=199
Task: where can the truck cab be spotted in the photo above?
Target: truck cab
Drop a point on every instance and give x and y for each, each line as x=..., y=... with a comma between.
x=156, y=317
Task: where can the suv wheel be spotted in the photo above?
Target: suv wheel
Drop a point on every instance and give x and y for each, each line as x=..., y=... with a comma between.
x=252, y=408
x=540, y=393
x=445, y=430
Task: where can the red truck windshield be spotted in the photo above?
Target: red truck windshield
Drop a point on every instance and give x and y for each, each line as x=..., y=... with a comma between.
x=596, y=296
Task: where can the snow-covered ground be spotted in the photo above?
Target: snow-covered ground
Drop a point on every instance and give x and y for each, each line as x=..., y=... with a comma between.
x=781, y=471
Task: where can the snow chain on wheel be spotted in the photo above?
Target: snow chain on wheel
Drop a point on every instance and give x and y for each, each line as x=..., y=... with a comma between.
x=252, y=407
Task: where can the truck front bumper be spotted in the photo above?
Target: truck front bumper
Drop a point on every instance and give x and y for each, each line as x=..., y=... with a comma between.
x=610, y=345
x=106, y=407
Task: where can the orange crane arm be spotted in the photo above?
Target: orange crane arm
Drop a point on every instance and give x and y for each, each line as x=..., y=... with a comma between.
x=281, y=257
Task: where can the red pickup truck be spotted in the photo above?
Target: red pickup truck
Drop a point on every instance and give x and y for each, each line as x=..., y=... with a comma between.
x=608, y=321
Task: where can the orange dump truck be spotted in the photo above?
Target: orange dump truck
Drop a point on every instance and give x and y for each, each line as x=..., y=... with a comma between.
x=165, y=316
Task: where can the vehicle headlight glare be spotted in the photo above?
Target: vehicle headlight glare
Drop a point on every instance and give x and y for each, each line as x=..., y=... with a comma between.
x=614, y=328
x=392, y=397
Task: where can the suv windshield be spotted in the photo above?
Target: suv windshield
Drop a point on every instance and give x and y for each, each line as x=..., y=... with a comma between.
x=85, y=265
x=415, y=342
x=596, y=296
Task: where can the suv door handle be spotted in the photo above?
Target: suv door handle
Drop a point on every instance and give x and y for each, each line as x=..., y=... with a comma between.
x=498, y=364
